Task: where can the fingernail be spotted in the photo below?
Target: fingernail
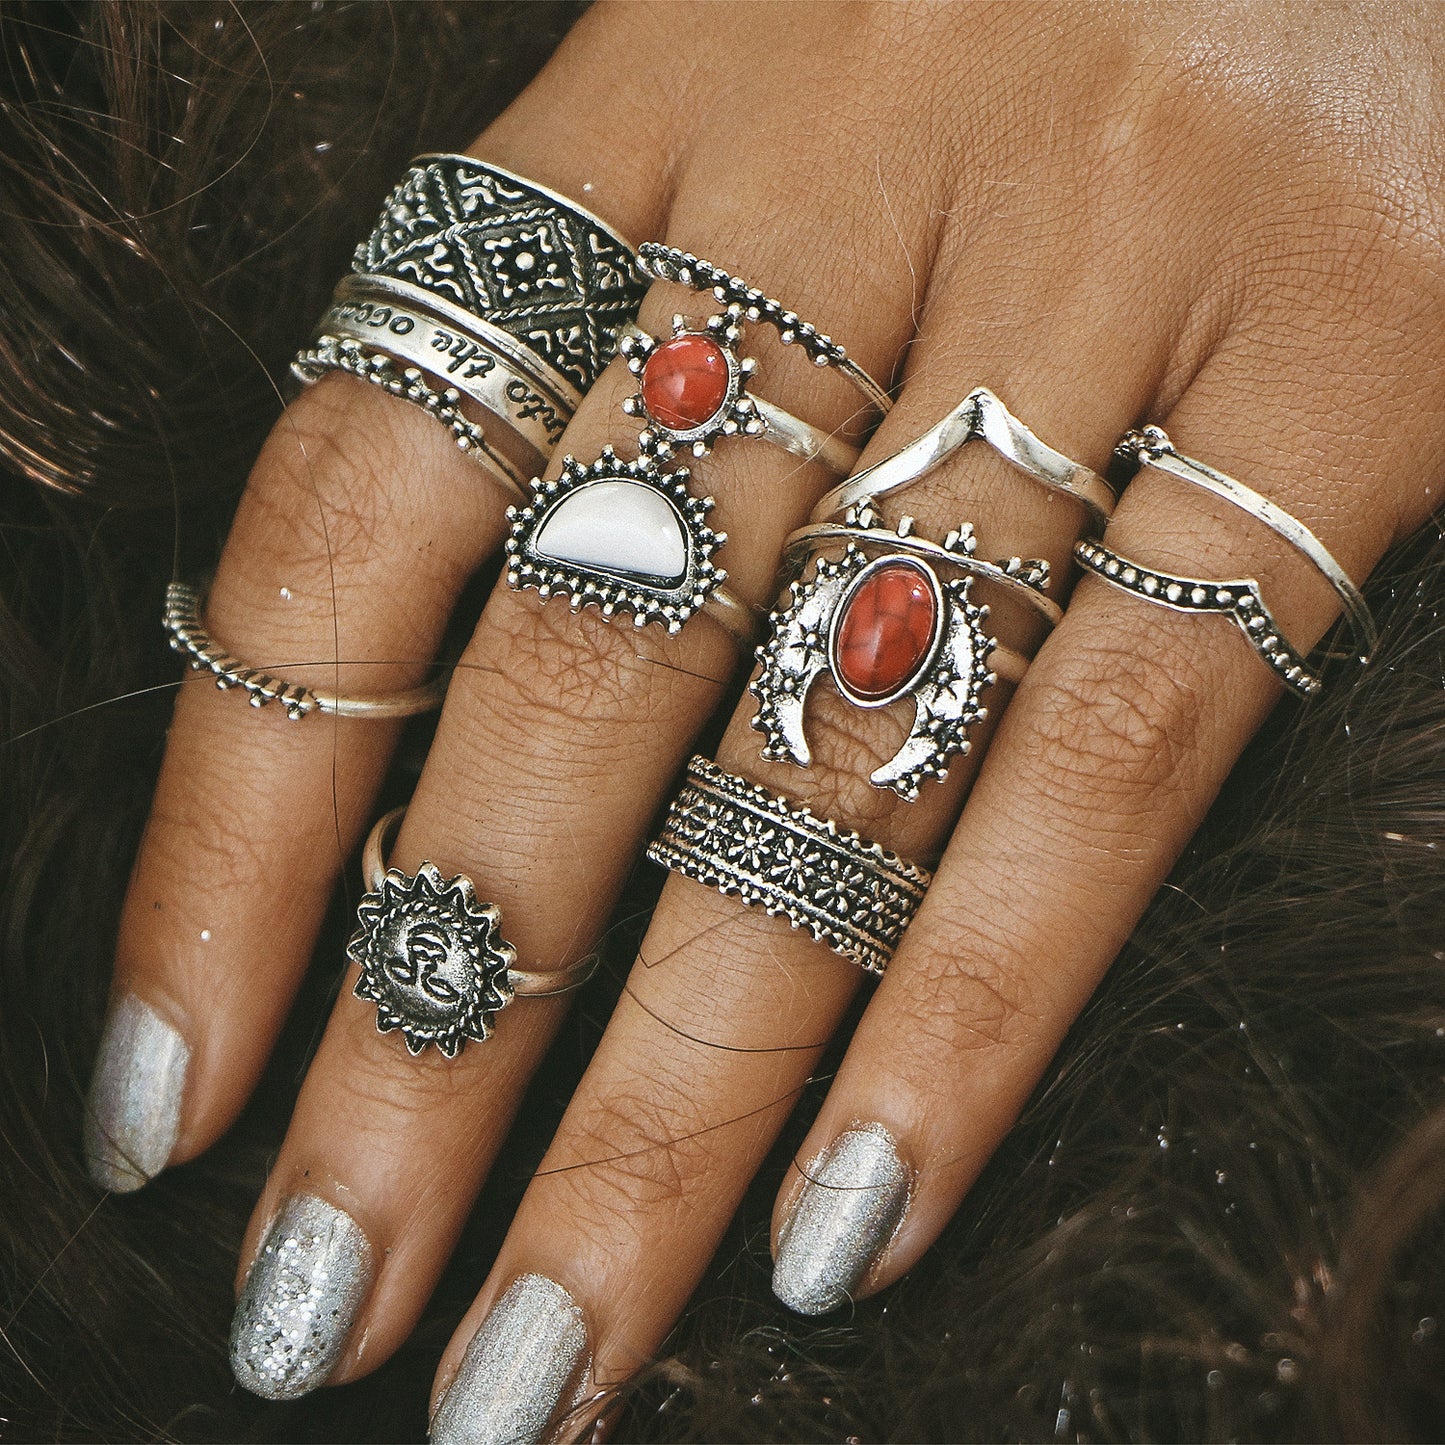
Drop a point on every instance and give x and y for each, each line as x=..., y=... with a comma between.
x=519, y=1367
x=854, y=1199
x=134, y=1107
x=300, y=1300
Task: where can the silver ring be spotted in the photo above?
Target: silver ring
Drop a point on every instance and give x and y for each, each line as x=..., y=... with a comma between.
x=627, y=538
x=980, y=414
x=667, y=263
x=1151, y=447
x=736, y=836
x=189, y=637
x=432, y=956
x=516, y=254
x=733, y=410
x=370, y=364
x=945, y=665
x=1240, y=600
x=458, y=359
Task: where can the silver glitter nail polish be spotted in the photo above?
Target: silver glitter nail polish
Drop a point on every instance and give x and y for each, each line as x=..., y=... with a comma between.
x=300, y=1300
x=521, y=1365
x=134, y=1108
x=853, y=1202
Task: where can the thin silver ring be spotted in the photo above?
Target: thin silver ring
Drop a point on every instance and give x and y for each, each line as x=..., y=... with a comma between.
x=770, y=422
x=668, y=263
x=1239, y=599
x=1150, y=447
x=378, y=368
x=526, y=983
x=980, y=414
x=189, y=637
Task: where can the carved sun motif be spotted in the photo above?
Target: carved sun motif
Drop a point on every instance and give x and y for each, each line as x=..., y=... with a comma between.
x=432, y=959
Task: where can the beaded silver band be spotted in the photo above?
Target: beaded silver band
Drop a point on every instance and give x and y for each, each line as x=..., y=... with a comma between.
x=1240, y=600
x=189, y=637
x=1150, y=447
x=979, y=415
x=736, y=836
x=668, y=263
x=335, y=353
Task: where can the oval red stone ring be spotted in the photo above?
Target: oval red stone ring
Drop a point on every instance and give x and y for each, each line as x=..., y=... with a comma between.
x=693, y=389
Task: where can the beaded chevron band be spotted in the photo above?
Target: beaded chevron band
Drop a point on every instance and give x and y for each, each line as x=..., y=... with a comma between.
x=737, y=837
x=667, y=263
x=190, y=638
x=1240, y=600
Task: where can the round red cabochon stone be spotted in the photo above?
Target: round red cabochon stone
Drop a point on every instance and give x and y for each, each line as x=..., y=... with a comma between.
x=884, y=634
x=685, y=382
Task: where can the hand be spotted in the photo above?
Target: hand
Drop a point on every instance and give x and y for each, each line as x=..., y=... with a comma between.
x=1220, y=223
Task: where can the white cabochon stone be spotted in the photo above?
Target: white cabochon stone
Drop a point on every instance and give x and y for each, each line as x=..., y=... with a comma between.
x=621, y=527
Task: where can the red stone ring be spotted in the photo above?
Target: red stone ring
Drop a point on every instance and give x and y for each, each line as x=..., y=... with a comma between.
x=887, y=621
x=694, y=389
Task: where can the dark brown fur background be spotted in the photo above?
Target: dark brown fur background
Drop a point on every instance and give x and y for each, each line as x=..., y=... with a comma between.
x=1221, y=1217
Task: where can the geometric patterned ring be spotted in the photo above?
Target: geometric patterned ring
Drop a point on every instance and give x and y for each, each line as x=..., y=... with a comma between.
x=736, y=836
x=503, y=248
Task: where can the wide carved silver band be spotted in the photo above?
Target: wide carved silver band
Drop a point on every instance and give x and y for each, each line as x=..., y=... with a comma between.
x=431, y=955
x=189, y=637
x=1239, y=600
x=502, y=248
x=979, y=415
x=1150, y=447
x=736, y=836
x=668, y=263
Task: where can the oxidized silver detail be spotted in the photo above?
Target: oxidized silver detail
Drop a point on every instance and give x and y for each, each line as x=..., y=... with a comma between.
x=947, y=684
x=1239, y=599
x=736, y=836
x=526, y=259
x=432, y=959
x=669, y=601
x=668, y=263
x=190, y=638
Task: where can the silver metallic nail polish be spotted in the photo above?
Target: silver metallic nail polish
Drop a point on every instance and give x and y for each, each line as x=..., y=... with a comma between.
x=300, y=1300
x=521, y=1365
x=853, y=1202
x=134, y=1108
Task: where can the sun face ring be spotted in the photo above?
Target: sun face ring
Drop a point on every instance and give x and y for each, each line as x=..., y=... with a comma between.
x=432, y=956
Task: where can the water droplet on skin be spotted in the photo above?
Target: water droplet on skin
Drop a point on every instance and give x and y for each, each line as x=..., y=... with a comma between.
x=205, y=935
x=285, y=594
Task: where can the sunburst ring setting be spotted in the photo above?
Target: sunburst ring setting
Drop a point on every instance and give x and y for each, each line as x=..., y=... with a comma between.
x=432, y=959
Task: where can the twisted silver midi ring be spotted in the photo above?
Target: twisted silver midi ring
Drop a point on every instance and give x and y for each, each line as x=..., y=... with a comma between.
x=189, y=637
x=432, y=957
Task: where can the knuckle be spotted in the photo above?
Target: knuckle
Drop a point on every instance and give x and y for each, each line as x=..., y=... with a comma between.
x=1117, y=719
x=970, y=1001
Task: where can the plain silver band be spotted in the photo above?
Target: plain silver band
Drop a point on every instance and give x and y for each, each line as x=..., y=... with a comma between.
x=979, y=414
x=190, y=637
x=739, y=619
x=525, y=983
x=1152, y=448
x=806, y=538
x=449, y=356
x=366, y=285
